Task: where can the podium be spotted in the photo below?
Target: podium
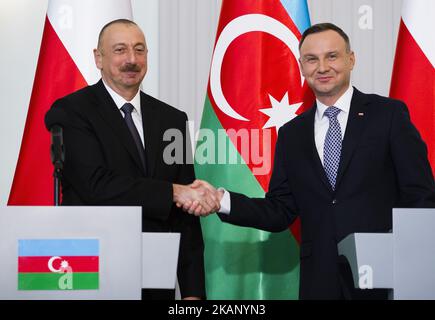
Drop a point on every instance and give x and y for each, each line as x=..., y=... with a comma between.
x=70, y=253
x=402, y=260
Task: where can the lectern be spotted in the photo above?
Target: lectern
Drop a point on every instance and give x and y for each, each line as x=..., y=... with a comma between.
x=68, y=253
x=402, y=260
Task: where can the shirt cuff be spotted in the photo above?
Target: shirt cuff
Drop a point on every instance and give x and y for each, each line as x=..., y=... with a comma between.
x=225, y=202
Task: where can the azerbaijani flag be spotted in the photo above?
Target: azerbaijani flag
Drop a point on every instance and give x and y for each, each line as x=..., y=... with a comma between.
x=255, y=86
x=70, y=264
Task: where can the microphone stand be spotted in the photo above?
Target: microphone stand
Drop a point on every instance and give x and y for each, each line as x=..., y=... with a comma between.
x=57, y=175
x=57, y=158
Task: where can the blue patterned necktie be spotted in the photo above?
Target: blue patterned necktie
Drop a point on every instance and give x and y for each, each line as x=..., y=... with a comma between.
x=332, y=146
x=127, y=109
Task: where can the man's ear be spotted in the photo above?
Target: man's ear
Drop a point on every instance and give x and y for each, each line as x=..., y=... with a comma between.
x=98, y=59
x=300, y=66
x=352, y=60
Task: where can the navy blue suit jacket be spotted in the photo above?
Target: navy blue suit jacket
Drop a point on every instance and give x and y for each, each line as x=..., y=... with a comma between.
x=383, y=165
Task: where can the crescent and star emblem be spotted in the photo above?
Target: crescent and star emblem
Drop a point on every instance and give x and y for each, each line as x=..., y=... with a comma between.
x=281, y=111
x=63, y=265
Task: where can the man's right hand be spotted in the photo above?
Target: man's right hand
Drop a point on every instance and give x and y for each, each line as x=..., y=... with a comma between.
x=199, y=198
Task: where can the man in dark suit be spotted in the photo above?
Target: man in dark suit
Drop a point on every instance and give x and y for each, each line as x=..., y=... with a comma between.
x=341, y=167
x=113, y=137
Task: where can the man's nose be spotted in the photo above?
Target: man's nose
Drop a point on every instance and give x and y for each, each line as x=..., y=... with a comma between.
x=323, y=65
x=131, y=56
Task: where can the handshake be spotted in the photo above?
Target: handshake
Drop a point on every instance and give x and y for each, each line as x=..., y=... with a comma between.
x=199, y=198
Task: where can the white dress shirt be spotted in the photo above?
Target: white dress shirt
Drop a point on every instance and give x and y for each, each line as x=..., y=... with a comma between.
x=135, y=114
x=321, y=125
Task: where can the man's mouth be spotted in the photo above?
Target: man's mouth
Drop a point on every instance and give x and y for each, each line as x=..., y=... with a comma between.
x=131, y=73
x=324, y=78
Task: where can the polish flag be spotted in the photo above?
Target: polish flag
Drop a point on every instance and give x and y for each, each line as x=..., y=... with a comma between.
x=65, y=65
x=413, y=73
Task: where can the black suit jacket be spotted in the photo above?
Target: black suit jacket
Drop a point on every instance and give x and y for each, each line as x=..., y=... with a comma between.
x=383, y=165
x=102, y=167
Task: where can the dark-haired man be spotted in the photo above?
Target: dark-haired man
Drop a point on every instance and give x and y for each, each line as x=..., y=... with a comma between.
x=113, y=136
x=341, y=167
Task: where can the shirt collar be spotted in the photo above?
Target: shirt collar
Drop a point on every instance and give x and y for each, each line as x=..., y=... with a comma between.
x=343, y=103
x=120, y=101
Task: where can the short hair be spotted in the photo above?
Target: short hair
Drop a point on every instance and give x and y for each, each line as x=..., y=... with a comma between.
x=321, y=27
x=122, y=21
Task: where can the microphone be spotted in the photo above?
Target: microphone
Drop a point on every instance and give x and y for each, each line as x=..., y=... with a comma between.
x=54, y=119
x=53, y=122
x=57, y=151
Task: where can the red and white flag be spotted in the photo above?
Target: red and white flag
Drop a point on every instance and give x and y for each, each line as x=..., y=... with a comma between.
x=413, y=73
x=65, y=65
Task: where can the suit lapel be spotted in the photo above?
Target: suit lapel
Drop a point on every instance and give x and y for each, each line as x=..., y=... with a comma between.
x=110, y=113
x=355, y=126
x=309, y=145
x=150, y=122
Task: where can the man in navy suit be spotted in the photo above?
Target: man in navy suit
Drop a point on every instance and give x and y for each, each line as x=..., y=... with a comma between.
x=341, y=167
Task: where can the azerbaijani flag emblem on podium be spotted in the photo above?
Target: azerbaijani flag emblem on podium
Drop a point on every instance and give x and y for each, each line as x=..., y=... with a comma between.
x=58, y=264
